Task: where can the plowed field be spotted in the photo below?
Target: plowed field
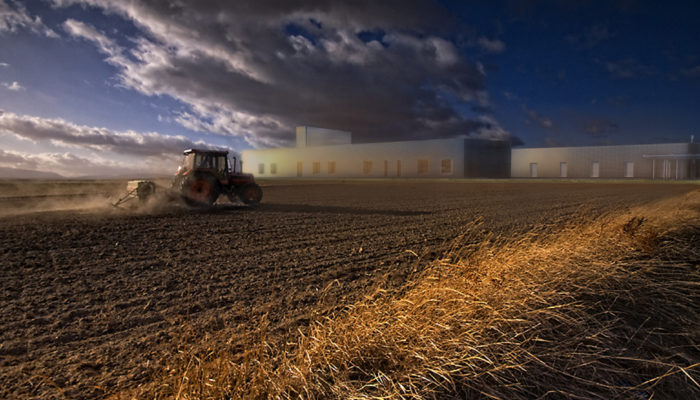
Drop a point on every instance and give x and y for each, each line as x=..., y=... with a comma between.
x=89, y=298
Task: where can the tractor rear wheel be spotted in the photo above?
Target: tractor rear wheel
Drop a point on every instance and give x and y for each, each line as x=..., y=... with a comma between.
x=250, y=193
x=201, y=191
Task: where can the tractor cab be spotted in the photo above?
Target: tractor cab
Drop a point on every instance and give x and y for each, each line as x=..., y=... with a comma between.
x=204, y=174
x=213, y=162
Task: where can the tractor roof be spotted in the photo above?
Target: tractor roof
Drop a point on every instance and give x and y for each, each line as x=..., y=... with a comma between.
x=205, y=151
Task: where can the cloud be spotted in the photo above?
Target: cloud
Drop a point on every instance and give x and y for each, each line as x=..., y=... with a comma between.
x=599, y=128
x=14, y=19
x=628, y=68
x=491, y=45
x=693, y=72
x=105, y=44
x=4, y=65
x=71, y=165
x=14, y=86
x=256, y=70
x=592, y=37
x=540, y=119
x=96, y=139
x=511, y=96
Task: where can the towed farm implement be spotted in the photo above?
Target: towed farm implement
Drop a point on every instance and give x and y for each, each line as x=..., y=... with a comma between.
x=203, y=176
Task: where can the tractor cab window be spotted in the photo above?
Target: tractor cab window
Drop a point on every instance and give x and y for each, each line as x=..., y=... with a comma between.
x=204, y=161
x=220, y=163
x=234, y=164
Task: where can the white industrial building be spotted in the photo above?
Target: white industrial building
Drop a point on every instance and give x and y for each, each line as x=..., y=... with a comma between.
x=643, y=161
x=327, y=153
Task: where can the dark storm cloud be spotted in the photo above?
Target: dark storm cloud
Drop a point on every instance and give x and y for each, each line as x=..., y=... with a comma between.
x=256, y=69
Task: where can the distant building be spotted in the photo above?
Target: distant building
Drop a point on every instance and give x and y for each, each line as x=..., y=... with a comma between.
x=324, y=153
x=642, y=161
x=328, y=153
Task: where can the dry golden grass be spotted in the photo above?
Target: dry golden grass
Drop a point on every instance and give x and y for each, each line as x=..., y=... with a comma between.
x=599, y=309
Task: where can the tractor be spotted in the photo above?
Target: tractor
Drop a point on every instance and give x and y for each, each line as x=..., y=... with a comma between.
x=203, y=176
x=206, y=174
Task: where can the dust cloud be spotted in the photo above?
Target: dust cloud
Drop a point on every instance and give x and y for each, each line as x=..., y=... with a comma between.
x=19, y=197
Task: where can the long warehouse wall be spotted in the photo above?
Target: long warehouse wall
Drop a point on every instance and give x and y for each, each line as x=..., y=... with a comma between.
x=425, y=158
x=626, y=161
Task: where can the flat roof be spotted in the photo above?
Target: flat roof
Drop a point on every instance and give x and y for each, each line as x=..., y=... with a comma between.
x=219, y=152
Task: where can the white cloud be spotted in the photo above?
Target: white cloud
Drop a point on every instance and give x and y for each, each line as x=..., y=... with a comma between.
x=4, y=65
x=106, y=45
x=541, y=120
x=491, y=45
x=87, y=150
x=14, y=19
x=492, y=129
x=72, y=165
x=14, y=86
x=96, y=139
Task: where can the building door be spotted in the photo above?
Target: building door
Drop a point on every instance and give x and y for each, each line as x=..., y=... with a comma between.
x=300, y=169
x=595, y=169
x=398, y=167
x=563, y=170
x=533, y=170
x=386, y=168
x=629, y=169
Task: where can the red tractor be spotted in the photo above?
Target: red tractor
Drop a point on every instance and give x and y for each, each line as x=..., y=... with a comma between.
x=206, y=174
x=202, y=177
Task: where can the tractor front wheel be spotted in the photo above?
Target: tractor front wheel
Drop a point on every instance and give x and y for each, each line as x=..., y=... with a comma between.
x=201, y=191
x=250, y=193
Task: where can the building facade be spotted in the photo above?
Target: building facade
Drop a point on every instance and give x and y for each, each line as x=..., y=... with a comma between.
x=437, y=158
x=641, y=161
x=327, y=153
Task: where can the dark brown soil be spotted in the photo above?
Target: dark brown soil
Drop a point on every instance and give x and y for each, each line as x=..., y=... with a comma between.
x=90, y=299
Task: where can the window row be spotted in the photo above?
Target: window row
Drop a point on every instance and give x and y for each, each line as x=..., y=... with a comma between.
x=422, y=167
x=273, y=169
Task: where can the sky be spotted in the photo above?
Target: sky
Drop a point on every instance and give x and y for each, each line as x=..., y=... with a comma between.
x=120, y=87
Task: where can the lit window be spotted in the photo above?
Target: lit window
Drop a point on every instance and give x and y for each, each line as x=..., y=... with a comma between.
x=261, y=168
x=273, y=168
x=367, y=167
x=446, y=166
x=316, y=167
x=331, y=167
x=423, y=167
